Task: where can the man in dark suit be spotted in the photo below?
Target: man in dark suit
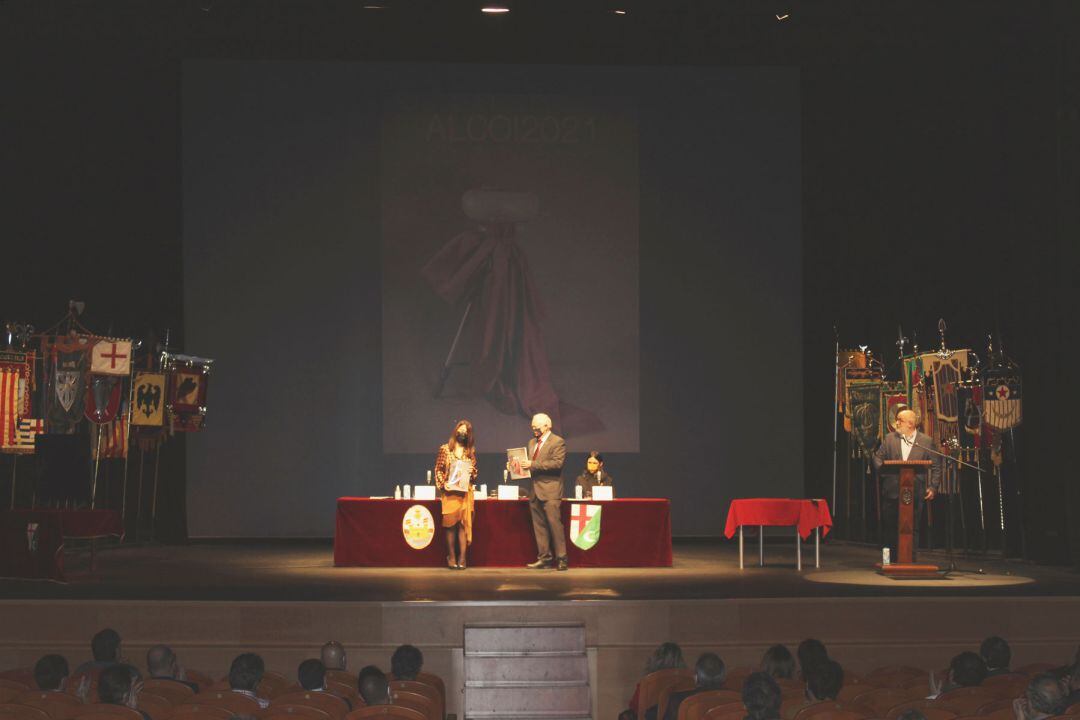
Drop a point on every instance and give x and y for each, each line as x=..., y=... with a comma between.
x=907, y=443
x=547, y=453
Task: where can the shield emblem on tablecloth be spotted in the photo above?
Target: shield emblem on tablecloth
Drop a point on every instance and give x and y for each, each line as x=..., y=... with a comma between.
x=584, y=525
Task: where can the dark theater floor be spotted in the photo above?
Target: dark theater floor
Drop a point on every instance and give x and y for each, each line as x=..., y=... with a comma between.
x=303, y=570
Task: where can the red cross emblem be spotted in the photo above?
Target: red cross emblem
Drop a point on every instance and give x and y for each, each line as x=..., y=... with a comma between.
x=1003, y=392
x=113, y=356
x=580, y=514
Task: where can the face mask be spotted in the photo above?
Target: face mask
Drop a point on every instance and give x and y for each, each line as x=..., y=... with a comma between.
x=462, y=437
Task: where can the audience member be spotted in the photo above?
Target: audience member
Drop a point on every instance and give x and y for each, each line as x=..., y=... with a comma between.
x=966, y=670
x=665, y=657
x=373, y=686
x=116, y=686
x=162, y=665
x=51, y=673
x=311, y=674
x=406, y=662
x=996, y=654
x=824, y=680
x=244, y=675
x=333, y=656
x=1044, y=697
x=761, y=696
x=778, y=662
x=911, y=714
x=810, y=652
x=709, y=674
x=105, y=647
x=1072, y=686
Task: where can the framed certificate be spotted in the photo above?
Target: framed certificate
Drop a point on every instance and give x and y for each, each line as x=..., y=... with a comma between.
x=514, y=456
x=460, y=476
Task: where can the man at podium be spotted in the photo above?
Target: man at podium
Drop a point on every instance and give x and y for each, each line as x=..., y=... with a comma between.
x=907, y=443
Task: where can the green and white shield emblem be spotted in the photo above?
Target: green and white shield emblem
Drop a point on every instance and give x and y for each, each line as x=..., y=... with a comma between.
x=584, y=525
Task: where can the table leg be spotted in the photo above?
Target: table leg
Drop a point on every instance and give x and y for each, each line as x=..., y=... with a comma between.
x=761, y=545
x=740, y=548
x=93, y=555
x=798, y=551
x=817, y=547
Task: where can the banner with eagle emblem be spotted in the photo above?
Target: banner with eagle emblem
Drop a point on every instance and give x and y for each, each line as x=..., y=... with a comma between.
x=149, y=390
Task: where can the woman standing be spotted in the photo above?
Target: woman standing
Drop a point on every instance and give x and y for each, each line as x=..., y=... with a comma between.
x=458, y=453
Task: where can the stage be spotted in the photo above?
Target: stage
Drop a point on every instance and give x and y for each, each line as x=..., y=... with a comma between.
x=301, y=570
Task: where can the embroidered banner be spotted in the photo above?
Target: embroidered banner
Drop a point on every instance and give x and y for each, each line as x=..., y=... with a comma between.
x=149, y=399
x=1002, y=403
x=102, y=398
x=111, y=357
x=110, y=440
x=65, y=404
x=864, y=405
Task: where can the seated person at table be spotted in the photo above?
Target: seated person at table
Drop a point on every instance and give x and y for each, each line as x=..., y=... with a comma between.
x=594, y=474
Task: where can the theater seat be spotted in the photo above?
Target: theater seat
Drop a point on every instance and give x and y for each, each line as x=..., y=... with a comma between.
x=106, y=711
x=58, y=705
x=1036, y=668
x=334, y=707
x=414, y=701
x=679, y=685
x=156, y=706
x=994, y=705
x=382, y=711
x=13, y=711
x=926, y=707
x=420, y=688
x=695, y=706
x=197, y=711
x=726, y=711
x=879, y=700
x=235, y=703
x=831, y=710
x=650, y=686
x=174, y=692
x=272, y=685
x=293, y=711
x=966, y=700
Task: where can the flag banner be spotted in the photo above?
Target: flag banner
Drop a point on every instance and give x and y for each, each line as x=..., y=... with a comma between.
x=864, y=405
x=946, y=372
x=111, y=357
x=970, y=398
x=584, y=525
x=186, y=391
x=21, y=363
x=1002, y=402
x=26, y=436
x=893, y=400
x=110, y=440
x=149, y=399
x=65, y=403
x=102, y=398
x=9, y=415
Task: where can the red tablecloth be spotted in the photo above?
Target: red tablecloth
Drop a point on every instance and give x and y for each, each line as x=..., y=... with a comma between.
x=803, y=514
x=635, y=532
x=32, y=541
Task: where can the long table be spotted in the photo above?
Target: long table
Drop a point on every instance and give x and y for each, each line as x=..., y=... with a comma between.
x=32, y=541
x=634, y=532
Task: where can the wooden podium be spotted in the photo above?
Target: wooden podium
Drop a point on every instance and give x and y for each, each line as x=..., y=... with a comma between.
x=902, y=565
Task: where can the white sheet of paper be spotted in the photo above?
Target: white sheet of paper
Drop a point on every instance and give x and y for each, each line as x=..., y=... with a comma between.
x=508, y=492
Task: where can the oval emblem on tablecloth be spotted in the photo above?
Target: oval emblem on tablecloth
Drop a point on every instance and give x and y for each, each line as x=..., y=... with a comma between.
x=418, y=526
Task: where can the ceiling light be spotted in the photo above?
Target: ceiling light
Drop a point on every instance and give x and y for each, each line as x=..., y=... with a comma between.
x=619, y=12
x=495, y=9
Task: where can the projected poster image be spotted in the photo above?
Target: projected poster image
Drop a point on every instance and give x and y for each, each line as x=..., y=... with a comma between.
x=510, y=269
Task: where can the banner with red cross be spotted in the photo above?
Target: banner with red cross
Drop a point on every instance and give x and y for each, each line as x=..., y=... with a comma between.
x=584, y=525
x=111, y=357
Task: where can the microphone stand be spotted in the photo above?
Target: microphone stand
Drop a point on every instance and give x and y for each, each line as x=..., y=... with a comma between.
x=949, y=528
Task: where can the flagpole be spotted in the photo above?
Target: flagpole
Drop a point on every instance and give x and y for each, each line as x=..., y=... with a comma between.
x=14, y=464
x=97, y=463
x=153, y=510
x=127, y=441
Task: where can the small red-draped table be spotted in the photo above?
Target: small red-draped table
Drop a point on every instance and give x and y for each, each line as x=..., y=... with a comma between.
x=32, y=541
x=634, y=532
x=807, y=516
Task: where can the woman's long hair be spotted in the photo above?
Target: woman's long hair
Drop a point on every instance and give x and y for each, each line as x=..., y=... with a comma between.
x=668, y=655
x=470, y=444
